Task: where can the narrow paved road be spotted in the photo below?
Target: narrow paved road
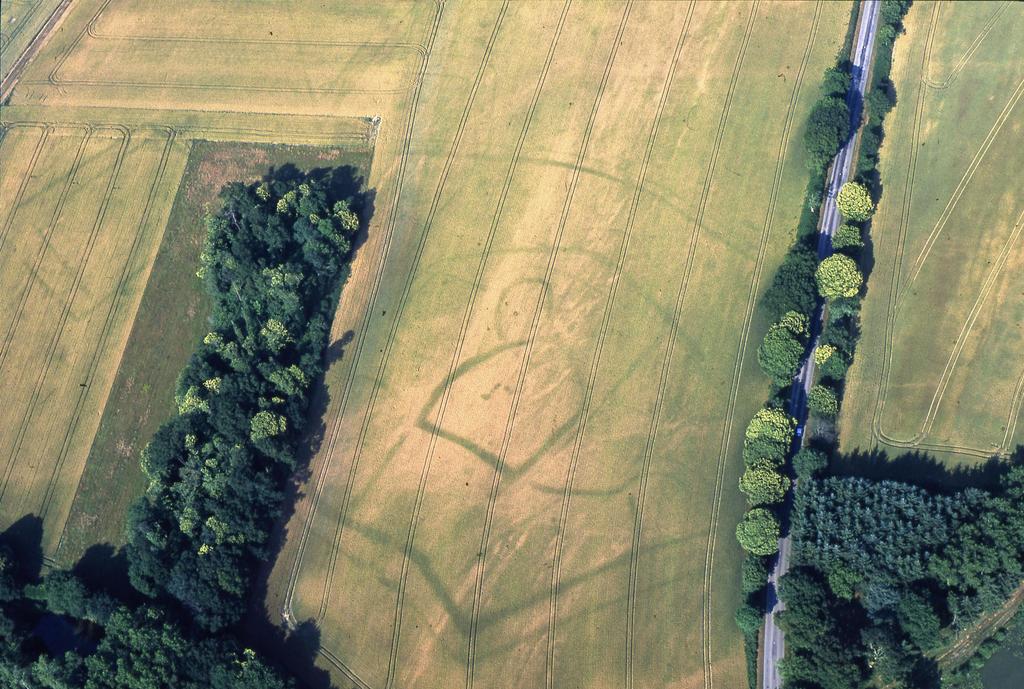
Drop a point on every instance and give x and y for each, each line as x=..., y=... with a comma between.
x=31, y=49
x=863, y=49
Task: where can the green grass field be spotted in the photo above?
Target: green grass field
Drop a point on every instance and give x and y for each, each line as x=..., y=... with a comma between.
x=543, y=359
x=939, y=366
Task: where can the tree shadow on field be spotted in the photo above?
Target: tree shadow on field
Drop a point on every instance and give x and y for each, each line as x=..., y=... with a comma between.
x=336, y=350
x=920, y=468
x=25, y=540
x=298, y=646
x=105, y=568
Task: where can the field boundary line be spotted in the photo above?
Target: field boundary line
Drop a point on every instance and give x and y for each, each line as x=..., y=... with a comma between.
x=44, y=246
x=222, y=87
x=966, y=57
x=499, y=464
x=16, y=202
x=287, y=612
x=535, y=326
x=51, y=347
x=446, y=395
x=117, y=296
x=201, y=130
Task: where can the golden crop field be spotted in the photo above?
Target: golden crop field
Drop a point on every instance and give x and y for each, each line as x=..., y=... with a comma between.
x=84, y=206
x=939, y=366
x=527, y=468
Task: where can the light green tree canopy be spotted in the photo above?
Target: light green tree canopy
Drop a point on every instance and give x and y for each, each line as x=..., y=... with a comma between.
x=763, y=485
x=854, y=201
x=822, y=400
x=266, y=424
x=823, y=353
x=758, y=533
x=838, y=276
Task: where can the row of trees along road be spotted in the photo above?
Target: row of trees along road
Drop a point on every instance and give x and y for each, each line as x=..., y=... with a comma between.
x=885, y=574
x=790, y=302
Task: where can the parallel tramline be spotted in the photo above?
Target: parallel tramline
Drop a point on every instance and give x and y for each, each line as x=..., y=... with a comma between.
x=525, y=462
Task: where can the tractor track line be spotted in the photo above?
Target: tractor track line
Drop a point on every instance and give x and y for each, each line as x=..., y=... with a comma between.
x=389, y=232
x=499, y=464
x=116, y=298
x=51, y=347
x=16, y=203
x=48, y=233
x=901, y=238
x=69, y=302
x=446, y=396
x=567, y=492
x=631, y=587
x=396, y=321
x=683, y=289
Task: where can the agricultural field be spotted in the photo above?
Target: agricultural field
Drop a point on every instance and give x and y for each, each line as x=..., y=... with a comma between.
x=542, y=367
x=938, y=368
x=20, y=21
x=87, y=188
x=139, y=400
x=528, y=458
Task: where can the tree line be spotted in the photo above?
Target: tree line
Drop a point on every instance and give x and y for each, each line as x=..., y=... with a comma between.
x=273, y=262
x=218, y=470
x=884, y=573
x=799, y=286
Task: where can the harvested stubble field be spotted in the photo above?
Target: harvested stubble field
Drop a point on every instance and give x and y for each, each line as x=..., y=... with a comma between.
x=543, y=367
x=939, y=365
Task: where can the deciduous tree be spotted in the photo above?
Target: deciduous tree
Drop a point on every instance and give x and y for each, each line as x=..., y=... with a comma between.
x=758, y=533
x=838, y=276
x=854, y=201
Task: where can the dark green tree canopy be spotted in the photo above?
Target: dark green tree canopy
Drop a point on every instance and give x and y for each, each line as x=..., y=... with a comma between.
x=793, y=288
x=828, y=126
x=272, y=266
x=783, y=347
